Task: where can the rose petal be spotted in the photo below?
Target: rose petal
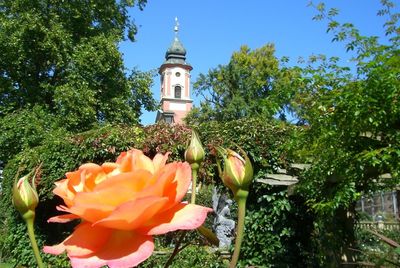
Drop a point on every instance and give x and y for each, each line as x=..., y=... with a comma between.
x=109, y=167
x=99, y=204
x=135, y=160
x=83, y=241
x=92, y=174
x=171, y=181
x=64, y=191
x=81, y=180
x=55, y=250
x=89, y=212
x=123, y=249
x=158, y=183
x=132, y=214
x=121, y=157
x=160, y=160
x=180, y=217
x=63, y=218
x=133, y=181
x=182, y=180
x=143, y=162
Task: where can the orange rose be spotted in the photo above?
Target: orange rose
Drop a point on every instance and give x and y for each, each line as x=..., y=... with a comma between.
x=122, y=205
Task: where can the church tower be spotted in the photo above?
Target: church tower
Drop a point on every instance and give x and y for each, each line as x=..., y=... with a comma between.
x=175, y=83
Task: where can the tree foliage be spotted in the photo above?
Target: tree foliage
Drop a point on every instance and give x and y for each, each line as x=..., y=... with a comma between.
x=350, y=118
x=61, y=70
x=253, y=83
x=352, y=126
x=353, y=119
x=63, y=56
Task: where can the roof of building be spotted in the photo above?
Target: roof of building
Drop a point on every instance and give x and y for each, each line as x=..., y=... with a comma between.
x=176, y=53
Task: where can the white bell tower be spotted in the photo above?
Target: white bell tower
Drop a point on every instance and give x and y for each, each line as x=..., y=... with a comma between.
x=175, y=83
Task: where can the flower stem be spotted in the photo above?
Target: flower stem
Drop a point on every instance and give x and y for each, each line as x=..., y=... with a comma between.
x=29, y=223
x=176, y=250
x=195, y=167
x=241, y=197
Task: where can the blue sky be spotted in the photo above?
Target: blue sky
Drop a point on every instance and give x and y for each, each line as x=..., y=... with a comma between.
x=211, y=30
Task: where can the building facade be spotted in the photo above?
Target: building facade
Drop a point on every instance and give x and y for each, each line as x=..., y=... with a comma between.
x=175, y=84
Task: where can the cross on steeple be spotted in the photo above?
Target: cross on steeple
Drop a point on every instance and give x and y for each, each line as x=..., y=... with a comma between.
x=176, y=28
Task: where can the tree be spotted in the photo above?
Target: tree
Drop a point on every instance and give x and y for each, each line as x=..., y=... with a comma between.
x=60, y=65
x=253, y=83
x=63, y=56
x=352, y=127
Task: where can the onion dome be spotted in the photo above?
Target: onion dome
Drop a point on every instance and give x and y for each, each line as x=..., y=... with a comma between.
x=176, y=53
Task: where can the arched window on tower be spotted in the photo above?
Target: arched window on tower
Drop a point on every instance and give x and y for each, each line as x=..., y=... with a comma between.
x=178, y=92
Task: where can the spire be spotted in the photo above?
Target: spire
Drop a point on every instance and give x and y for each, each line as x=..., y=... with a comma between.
x=176, y=53
x=176, y=47
x=176, y=28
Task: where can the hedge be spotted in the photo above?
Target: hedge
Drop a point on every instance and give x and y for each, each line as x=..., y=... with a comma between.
x=268, y=226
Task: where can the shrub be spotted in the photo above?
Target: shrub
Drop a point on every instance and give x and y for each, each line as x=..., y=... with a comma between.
x=268, y=230
x=192, y=256
x=58, y=154
x=372, y=249
x=162, y=138
x=24, y=129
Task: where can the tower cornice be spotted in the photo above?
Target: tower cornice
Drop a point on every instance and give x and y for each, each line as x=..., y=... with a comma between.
x=172, y=65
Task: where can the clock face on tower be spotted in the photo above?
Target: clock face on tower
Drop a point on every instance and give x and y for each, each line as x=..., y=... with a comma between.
x=177, y=74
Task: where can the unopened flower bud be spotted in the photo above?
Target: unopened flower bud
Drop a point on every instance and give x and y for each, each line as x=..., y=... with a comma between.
x=237, y=173
x=25, y=197
x=194, y=153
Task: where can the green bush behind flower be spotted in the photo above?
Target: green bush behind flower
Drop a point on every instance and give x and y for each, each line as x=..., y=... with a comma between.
x=59, y=154
x=269, y=208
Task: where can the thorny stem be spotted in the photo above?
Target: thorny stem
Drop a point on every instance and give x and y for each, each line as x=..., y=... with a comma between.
x=241, y=197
